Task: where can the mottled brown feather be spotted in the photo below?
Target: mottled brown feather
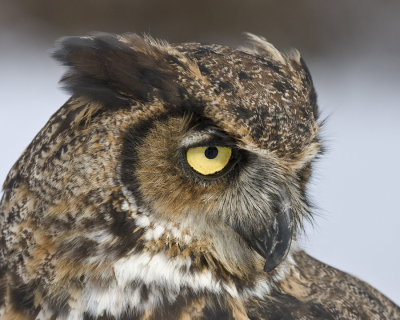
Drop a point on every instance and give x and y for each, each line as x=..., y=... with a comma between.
x=103, y=218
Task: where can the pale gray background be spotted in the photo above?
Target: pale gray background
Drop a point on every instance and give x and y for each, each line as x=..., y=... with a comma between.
x=352, y=49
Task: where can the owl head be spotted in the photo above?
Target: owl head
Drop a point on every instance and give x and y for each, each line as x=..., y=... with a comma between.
x=172, y=168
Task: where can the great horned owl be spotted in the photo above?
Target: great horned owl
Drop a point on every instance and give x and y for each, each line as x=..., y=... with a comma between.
x=172, y=185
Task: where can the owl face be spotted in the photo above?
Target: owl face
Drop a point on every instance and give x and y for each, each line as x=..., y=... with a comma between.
x=187, y=171
x=172, y=168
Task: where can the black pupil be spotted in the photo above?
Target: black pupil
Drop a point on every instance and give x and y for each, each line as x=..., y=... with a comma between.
x=211, y=152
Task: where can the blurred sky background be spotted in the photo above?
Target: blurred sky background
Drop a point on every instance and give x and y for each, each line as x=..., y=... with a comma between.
x=352, y=49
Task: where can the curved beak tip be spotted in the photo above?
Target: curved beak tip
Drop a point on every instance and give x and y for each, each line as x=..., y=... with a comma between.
x=273, y=240
x=280, y=240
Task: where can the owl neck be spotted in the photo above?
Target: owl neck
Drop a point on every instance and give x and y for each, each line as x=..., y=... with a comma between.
x=160, y=282
x=174, y=262
x=172, y=266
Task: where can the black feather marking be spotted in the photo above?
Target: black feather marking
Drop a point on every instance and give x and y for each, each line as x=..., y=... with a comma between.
x=22, y=294
x=286, y=307
x=244, y=76
x=312, y=95
x=3, y=285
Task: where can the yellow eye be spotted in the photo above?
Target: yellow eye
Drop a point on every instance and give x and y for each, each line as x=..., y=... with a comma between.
x=208, y=160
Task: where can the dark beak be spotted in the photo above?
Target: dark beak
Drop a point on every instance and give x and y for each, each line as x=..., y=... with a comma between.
x=274, y=239
x=275, y=244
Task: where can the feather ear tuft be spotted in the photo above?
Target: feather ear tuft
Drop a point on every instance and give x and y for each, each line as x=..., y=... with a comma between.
x=262, y=46
x=115, y=69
